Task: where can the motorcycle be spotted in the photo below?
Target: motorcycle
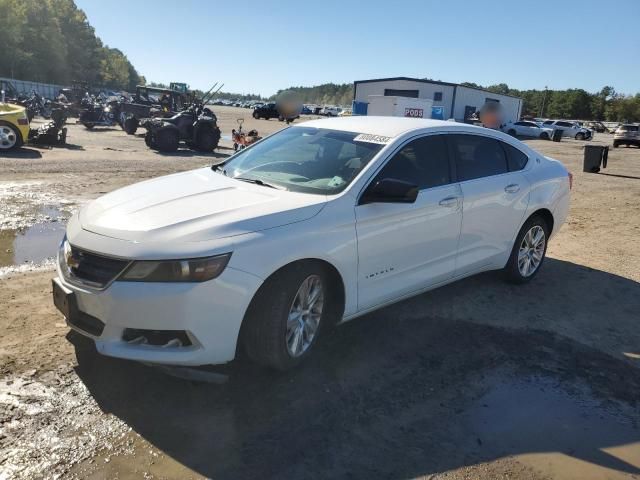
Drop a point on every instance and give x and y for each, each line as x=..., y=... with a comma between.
x=100, y=115
x=53, y=132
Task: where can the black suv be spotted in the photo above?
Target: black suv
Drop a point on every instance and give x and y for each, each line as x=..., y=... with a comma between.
x=267, y=111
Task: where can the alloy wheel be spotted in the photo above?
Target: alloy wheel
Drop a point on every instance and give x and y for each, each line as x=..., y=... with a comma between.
x=8, y=137
x=531, y=251
x=304, y=316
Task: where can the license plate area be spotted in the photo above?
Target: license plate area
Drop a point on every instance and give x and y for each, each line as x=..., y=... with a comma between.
x=67, y=303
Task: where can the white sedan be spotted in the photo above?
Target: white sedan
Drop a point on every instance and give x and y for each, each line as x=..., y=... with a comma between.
x=319, y=223
x=525, y=128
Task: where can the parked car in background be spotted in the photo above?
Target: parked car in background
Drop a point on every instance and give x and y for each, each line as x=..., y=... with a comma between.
x=345, y=112
x=266, y=111
x=596, y=127
x=319, y=223
x=627, y=134
x=330, y=111
x=527, y=128
x=569, y=129
x=306, y=110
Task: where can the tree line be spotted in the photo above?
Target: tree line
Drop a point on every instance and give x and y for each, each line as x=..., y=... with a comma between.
x=574, y=103
x=51, y=41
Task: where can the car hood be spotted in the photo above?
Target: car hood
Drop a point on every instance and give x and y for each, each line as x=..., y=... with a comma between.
x=194, y=206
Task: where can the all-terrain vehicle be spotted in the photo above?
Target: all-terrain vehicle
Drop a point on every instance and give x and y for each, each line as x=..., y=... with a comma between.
x=152, y=102
x=196, y=127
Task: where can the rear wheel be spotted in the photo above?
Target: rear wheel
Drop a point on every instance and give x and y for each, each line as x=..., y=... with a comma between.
x=130, y=125
x=286, y=315
x=9, y=137
x=528, y=251
x=166, y=140
x=256, y=116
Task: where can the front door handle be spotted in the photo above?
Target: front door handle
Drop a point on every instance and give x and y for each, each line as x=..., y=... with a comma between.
x=513, y=188
x=449, y=202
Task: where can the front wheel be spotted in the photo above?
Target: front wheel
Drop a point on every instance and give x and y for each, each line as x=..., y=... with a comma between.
x=9, y=137
x=580, y=136
x=167, y=140
x=207, y=139
x=286, y=315
x=544, y=136
x=130, y=125
x=528, y=251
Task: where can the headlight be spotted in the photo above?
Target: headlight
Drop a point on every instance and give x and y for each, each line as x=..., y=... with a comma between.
x=190, y=270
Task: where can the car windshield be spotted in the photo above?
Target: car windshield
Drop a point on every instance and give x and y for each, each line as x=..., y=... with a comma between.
x=304, y=159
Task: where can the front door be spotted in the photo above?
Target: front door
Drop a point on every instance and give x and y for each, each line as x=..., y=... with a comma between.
x=403, y=247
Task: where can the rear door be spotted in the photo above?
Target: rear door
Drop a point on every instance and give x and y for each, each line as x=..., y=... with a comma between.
x=495, y=197
x=405, y=247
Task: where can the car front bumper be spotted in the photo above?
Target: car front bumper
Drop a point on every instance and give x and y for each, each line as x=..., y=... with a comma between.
x=210, y=315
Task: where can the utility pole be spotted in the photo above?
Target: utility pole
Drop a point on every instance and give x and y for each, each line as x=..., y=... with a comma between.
x=544, y=100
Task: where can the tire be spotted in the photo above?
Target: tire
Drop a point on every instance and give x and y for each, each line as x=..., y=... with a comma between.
x=207, y=139
x=544, y=136
x=148, y=139
x=63, y=136
x=513, y=271
x=512, y=132
x=130, y=125
x=166, y=140
x=10, y=137
x=616, y=144
x=281, y=118
x=264, y=331
x=580, y=136
x=256, y=116
x=88, y=126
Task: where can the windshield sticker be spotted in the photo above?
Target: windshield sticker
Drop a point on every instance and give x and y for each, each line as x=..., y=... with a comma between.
x=365, y=137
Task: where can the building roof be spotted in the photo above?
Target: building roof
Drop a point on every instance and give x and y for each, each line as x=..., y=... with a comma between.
x=383, y=126
x=434, y=82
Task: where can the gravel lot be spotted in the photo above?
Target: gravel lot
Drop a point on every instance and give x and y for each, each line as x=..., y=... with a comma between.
x=478, y=379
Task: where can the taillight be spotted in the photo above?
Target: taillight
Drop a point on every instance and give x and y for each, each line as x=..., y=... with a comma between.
x=570, y=180
x=23, y=121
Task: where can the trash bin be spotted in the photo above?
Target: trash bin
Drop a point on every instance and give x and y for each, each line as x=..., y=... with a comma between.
x=595, y=156
x=557, y=134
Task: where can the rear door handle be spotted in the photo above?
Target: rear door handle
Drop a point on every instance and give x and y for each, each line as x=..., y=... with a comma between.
x=513, y=188
x=449, y=202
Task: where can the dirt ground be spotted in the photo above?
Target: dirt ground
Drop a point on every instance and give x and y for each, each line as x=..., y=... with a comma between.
x=478, y=379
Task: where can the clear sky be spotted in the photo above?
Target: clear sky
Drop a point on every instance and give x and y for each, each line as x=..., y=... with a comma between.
x=262, y=46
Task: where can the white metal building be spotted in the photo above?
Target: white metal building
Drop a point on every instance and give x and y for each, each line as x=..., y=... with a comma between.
x=455, y=101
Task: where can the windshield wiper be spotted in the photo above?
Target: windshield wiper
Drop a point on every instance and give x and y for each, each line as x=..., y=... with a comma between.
x=257, y=181
x=218, y=166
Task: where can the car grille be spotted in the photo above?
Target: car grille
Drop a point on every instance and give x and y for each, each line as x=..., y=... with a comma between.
x=92, y=269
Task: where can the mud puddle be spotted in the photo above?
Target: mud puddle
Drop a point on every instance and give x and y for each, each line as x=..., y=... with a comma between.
x=49, y=422
x=34, y=245
x=560, y=430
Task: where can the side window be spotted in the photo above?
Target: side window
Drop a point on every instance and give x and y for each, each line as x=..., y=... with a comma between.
x=522, y=124
x=548, y=122
x=478, y=156
x=564, y=124
x=424, y=162
x=515, y=158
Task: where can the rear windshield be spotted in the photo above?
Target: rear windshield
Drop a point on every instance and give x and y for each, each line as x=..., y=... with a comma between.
x=629, y=128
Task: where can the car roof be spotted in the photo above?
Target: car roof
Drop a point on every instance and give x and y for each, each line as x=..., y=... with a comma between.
x=386, y=126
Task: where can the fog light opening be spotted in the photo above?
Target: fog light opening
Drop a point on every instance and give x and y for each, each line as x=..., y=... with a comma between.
x=157, y=338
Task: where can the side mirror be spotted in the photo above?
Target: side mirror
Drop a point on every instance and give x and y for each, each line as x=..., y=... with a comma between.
x=390, y=190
